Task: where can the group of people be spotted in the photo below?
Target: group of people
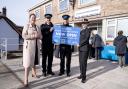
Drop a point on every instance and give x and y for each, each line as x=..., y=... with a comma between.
x=95, y=44
x=36, y=38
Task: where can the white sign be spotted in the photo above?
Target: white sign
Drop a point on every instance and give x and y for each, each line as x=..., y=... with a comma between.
x=95, y=10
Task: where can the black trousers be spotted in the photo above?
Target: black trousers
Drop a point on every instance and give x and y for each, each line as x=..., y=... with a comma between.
x=83, y=56
x=36, y=55
x=47, y=54
x=97, y=52
x=65, y=52
x=91, y=52
x=57, y=51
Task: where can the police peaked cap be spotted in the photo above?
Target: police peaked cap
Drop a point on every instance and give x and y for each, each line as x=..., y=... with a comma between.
x=48, y=16
x=85, y=21
x=65, y=17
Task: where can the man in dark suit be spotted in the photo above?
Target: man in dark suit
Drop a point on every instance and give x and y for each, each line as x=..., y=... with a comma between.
x=84, y=50
x=65, y=51
x=47, y=45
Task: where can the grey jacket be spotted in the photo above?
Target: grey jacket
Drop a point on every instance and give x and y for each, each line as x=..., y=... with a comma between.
x=120, y=44
x=97, y=41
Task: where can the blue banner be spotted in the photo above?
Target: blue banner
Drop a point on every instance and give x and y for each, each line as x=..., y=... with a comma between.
x=66, y=35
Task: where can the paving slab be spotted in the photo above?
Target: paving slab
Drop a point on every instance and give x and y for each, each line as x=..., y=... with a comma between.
x=101, y=74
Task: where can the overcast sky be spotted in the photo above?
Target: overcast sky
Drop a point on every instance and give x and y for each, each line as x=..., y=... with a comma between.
x=17, y=10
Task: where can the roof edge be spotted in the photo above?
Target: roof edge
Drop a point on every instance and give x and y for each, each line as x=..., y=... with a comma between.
x=13, y=25
x=39, y=4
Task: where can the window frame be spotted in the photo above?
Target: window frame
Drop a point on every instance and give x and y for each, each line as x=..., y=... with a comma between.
x=38, y=9
x=111, y=25
x=86, y=3
x=46, y=6
x=118, y=19
x=61, y=11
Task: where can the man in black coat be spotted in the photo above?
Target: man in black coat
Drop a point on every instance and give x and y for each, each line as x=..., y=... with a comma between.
x=65, y=51
x=120, y=43
x=84, y=50
x=97, y=43
x=47, y=45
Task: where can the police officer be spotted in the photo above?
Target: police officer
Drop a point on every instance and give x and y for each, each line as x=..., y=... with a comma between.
x=65, y=51
x=47, y=45
x=84, y=50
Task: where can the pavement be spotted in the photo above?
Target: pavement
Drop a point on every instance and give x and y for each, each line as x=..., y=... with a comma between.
x=101, y=74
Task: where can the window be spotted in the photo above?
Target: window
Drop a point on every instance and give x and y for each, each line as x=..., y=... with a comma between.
x=87, y=1
x=63, y=5
x=37, y=13
x=115, y=25
x=123, y=25
x=48, y=9
x=111, y=29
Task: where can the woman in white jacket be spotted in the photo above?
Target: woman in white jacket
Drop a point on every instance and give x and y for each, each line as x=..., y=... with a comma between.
x=31, y=47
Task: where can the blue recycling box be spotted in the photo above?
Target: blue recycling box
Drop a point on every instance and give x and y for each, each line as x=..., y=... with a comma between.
x=126, y=58
x=108, y=52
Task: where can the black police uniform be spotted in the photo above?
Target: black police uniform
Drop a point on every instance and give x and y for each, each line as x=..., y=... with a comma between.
x=65, y=51
x=83, y=52
x=47, y=47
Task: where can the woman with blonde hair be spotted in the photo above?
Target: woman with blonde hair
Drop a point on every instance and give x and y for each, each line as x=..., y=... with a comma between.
x=31, y=47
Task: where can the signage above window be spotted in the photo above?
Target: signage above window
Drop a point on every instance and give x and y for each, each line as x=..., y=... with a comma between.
x=90, y=11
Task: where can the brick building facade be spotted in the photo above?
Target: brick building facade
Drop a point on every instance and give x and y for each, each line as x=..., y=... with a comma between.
x=107, y=16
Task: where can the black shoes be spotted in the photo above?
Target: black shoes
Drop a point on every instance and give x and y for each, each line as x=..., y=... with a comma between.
x=48, y=73
x=79, y=77
x=51, y=73
x=68, y=74
x=83, y=80
x=44, y=74
x=60, y=74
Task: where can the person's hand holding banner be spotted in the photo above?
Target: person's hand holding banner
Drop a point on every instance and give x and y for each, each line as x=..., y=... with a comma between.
x=51, y=29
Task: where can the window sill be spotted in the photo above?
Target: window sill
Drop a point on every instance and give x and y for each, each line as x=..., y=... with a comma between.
x=86, y=5
x=61, y=12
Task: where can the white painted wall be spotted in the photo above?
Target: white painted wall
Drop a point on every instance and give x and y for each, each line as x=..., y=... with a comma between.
x=6, y=31
x=104, y=28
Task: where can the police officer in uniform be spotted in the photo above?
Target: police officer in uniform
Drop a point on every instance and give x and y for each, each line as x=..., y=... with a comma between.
x=84, y=50
x=65, y=51
x=47, y=45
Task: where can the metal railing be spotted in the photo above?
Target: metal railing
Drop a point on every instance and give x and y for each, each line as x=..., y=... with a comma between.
x=5, y=44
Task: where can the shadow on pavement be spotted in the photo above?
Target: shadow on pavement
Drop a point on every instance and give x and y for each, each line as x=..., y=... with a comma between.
x=105, y=66
x=62, y=83
x=11, y=71
x=53, y=82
